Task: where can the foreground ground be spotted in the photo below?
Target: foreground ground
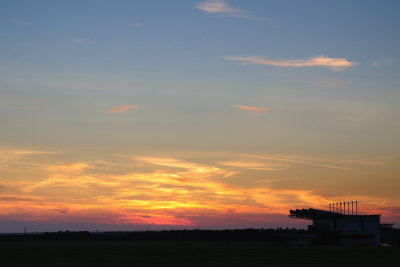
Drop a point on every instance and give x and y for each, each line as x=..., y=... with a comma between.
x=74, y=253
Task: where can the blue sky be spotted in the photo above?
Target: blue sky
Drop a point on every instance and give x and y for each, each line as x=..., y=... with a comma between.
x=277, y=95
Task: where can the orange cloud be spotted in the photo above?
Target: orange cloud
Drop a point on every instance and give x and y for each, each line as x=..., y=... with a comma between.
x=177, y=163
x=336, y=64
x=69, y=167
x=257, y=110
x=121, y=109
x=13, y=154
x=162, y=196
x=251, y=165
x=318, y=162
x=162, y=191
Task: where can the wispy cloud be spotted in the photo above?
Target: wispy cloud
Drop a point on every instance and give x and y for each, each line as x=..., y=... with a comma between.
x=121, y=109
x=22, y=22
x=181, y=164
x=83, y=41
x=301, y=160
x=175, y=192
x=162, y=190
x=381, y=63
x=336, y=64
x=72, y=167
x=253, y=165
x=257, y=110
x=220, y=7
x=335, y=82
x=136, y=25
x=9, y=154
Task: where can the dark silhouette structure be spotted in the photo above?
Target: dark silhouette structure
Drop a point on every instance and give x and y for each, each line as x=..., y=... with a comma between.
x=341, y=226
x=280, y=236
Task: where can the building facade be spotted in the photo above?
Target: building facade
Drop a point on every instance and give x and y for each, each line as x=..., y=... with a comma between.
x=337, y=228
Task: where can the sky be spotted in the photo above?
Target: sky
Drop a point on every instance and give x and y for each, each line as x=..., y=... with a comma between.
x=210, y=114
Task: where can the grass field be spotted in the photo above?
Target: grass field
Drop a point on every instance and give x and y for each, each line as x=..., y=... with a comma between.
x=190, y=254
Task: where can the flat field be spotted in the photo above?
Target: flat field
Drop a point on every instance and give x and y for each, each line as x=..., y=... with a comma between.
x=75, y=253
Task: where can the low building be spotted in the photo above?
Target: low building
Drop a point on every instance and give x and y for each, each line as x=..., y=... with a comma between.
x=337, y=228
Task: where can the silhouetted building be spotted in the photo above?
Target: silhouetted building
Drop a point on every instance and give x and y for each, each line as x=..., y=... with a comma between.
x=386, y=229
x=332, y=227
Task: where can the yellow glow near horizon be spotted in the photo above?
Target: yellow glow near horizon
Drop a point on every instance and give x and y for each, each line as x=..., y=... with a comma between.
x=163, y=190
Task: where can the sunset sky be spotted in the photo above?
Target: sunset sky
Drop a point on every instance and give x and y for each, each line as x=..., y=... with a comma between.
x=212, y=114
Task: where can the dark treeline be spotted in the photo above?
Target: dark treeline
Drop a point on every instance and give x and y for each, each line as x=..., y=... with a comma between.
x=273, y=236
x=258, y=235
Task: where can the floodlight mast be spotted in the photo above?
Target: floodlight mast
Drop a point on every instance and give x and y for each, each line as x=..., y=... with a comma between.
x=337, y=208
x=356, y=207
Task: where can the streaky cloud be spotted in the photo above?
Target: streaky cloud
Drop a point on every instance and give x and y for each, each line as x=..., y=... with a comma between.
x=22, y=22
x=136, y=25
x=121, y=109
x=336, y=64
x=258, y=110
x=177, y=163
x=83, y=41
x=164, y=190
x=220, y=7
x=69, y=167
x=253, y=165
x=10, y=154
x=300, y=160
x=381, y=63
x=217, y=6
